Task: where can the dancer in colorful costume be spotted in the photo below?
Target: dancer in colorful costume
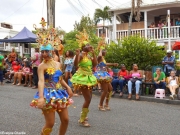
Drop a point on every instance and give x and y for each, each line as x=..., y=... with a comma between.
x=104, y=78
x=53, y=93
x=84, y=78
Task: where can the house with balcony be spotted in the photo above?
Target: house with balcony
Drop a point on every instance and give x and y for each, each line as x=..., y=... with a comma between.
x=152, y=12
x=6, y=33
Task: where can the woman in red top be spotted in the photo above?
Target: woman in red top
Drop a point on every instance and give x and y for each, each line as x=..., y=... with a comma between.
x=119, y=80
x=15, y=68
x=24, y=72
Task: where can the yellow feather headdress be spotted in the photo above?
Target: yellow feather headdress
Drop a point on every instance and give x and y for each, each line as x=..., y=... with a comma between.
x=47, y=36
x=101, y=43
x=82, y=38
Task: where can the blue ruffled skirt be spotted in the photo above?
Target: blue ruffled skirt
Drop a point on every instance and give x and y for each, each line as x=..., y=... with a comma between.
x=55, y=99
x=103, y=76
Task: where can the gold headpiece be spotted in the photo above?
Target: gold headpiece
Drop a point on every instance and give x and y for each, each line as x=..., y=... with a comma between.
x=82, y=38
x=47, y=36
x=101, y=43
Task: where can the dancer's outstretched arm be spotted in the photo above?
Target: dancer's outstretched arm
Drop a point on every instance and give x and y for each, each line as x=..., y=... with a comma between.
x=77, y=58
x=94, y=60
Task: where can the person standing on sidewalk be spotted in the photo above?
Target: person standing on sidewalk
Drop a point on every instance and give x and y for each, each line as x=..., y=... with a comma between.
x=1, y=68
x=35, y=63
x=60, y=50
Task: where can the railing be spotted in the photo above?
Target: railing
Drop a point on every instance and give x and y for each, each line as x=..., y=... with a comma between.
x=26, y=50
x=9, y=49
x=1, y=47
x=152, y=33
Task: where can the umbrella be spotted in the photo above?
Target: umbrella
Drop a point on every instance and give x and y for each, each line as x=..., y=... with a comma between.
x=176, y=45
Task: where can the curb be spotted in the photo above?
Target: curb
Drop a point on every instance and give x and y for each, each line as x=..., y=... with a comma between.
x=145, y=98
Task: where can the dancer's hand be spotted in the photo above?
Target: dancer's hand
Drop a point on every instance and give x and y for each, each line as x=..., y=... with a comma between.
x=41, y=103
x=69, y=91
x=116, y=64
x=77, y=52
x=92, y=50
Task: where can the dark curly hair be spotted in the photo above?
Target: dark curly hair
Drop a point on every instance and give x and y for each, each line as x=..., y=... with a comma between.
x=71, y=54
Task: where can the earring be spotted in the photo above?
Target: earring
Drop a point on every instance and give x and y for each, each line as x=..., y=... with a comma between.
x=50, y=54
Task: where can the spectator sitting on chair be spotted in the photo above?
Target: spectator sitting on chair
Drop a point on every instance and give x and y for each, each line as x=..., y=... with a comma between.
x=136, y=79
x=168, y=62
x=173, y=84
x=119, y=80
x=159, y=79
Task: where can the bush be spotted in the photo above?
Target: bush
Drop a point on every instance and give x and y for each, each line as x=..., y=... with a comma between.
x=135, y=49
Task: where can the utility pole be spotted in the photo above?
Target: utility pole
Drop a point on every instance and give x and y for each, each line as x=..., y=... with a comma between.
x=51, y=13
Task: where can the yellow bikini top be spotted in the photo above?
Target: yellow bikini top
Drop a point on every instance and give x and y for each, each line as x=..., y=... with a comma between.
x=103, y=59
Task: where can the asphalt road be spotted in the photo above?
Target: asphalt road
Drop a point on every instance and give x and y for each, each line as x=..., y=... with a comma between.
x=125, y=118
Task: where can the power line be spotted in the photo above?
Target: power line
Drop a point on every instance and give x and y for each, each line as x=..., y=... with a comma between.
x=81, y=5
x=76, y=11
x=97, y=3
x=89, y=10
x=16, y=10
x=75, y=7
x=110, y=3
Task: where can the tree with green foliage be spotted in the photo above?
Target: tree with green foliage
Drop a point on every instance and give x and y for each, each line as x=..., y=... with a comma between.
x=135, y=49
x=86, y=23
x=102, y=15
x=70, y=42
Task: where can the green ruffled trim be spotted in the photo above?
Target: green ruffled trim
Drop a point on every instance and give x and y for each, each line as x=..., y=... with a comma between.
x=81, y=79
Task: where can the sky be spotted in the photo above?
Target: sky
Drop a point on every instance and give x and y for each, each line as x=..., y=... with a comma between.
x=22, y=13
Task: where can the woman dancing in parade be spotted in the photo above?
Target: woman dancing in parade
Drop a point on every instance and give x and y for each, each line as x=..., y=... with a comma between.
x=84, y=78
x=51, y=95
x=103, y=77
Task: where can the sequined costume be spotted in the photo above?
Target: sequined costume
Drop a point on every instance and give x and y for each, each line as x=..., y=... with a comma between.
x=69, y=64
x=101, y=72
x=56, y=97
x=84, y=76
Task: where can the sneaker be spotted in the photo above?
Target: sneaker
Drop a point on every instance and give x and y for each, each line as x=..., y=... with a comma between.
x=171, y=97
x=8, y=81
x=175, y=96
x=121, y=94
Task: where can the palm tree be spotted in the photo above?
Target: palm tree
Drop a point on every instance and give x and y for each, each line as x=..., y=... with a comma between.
x=102, y=15
x=135, y=10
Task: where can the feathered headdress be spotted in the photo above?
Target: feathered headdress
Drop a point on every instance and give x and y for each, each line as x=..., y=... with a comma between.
x=101, y=43
x=47, y=38
x=82, y=38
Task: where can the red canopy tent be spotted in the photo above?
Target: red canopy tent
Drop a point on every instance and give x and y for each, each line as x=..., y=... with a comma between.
x=176, y=45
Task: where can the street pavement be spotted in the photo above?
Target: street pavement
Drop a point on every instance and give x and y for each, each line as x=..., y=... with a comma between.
x=125, y=118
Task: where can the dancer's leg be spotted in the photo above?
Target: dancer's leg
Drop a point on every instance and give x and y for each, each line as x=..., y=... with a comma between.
x=64, y=121
x=108, y=96
x=49, y=118
x=87, y=94
x=104, y=87
x=67, y=74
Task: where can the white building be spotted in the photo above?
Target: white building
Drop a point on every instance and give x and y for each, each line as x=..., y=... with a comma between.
x=6, y=32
